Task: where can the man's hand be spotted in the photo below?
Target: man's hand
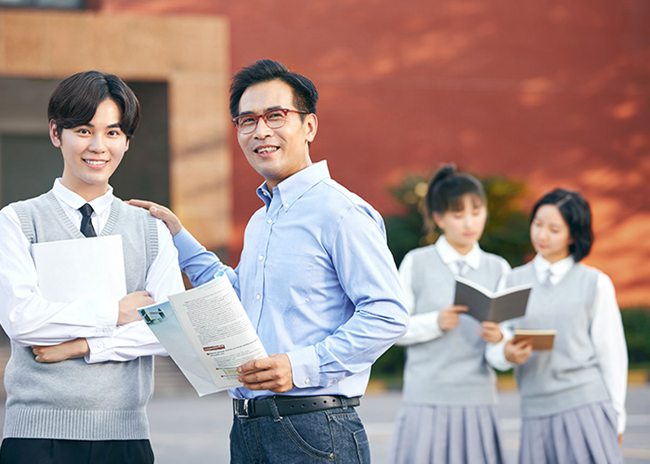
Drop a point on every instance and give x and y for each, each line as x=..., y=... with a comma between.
x=519, y=352
x=491, y=332
x=272, y=373
x=448, y=318
x=76, y=348
x=161, y=212
x=129, y=305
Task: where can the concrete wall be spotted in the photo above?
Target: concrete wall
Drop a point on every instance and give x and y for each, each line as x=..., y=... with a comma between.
x=188, y=54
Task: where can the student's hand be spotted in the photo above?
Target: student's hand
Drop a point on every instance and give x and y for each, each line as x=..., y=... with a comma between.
x=77, y=348
x=272, y=373
x=130, y=304
x=519, y=352
x=620, y=439
x=448, y=318
x=491, y=332
x=163, y=213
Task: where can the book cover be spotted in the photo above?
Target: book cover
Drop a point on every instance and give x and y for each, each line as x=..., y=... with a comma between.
x=485, y=305
x=542, y=340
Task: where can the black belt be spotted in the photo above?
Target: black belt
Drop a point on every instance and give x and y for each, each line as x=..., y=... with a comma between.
x=288, y=405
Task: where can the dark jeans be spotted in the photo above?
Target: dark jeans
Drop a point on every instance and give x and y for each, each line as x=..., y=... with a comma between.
x=332, y=436
x=46, y=451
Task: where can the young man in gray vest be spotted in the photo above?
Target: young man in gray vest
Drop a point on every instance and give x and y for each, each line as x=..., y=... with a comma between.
x=80, y=373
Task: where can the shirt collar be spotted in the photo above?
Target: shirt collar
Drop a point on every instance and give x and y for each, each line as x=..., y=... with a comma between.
x=449, y=255
x=74, y=201
x=558, y=269
x=293, y=187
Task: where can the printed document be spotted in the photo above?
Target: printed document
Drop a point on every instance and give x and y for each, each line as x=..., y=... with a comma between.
x=207, y=333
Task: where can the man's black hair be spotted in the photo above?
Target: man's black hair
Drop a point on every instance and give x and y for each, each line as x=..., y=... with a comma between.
x=305, y=95
x=75, y=100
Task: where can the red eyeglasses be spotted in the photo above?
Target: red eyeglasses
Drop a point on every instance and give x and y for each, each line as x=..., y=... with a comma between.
x=274, y=119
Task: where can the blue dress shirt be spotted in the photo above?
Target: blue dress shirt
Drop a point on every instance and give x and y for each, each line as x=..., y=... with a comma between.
x=317, y=281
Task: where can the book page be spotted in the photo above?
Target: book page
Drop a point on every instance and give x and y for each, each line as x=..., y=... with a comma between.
x=216, y=329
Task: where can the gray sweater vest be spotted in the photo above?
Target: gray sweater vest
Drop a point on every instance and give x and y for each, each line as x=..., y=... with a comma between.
x=73, y=400
x=450, y=370
x=568, y=376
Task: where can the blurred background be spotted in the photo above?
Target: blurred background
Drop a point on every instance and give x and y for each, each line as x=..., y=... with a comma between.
x=525, y=95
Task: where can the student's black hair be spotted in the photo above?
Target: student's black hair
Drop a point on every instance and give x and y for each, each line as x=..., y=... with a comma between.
x=75, y=100
x=448, y=186
x=305, y=95
x=576, y=213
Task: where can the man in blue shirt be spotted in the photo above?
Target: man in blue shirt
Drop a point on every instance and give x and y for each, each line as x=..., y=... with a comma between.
x=315, y=276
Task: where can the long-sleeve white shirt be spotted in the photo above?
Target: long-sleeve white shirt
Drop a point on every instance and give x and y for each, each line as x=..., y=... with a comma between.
x=606, y=334
x=424, y=327
x=29, y=319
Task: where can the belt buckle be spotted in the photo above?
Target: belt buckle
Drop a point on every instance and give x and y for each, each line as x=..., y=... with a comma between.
x=243, y=415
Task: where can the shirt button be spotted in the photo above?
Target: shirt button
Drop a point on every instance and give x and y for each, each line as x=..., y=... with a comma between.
x=307, y=381
x=258, y=296
x=269, y=221
x=260, y=258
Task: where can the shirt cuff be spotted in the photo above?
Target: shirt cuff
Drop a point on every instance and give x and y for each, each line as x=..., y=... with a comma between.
x=495, y=352
x=305, y=367
x=107, y=319
x=99, y=350
x=620, y=423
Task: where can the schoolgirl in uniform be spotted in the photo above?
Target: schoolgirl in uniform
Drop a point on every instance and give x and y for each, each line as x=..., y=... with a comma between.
x=572, y=397
x=448, y=405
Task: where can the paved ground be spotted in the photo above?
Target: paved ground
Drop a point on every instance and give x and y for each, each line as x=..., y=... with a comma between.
x=192, y=430
x=195, y=430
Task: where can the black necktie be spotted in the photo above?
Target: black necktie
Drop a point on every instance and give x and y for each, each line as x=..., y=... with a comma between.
x=86, y=224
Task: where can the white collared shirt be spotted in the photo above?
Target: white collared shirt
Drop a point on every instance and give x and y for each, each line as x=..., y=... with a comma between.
x=424, y=327
x=606, y=333
x=30, y=320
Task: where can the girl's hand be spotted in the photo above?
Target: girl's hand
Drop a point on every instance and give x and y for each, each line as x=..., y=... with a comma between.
x=518, y=353
x=491, y=332
x=620, y=439
x=76, y=348
x=449, y=317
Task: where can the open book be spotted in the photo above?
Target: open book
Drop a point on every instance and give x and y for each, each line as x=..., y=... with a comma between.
x=542, y=340
x=485, y=305
x=207, y=333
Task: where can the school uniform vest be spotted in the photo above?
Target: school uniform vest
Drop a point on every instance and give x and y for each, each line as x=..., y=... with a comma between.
x=451, y=369
x=567, y=376
x=72, y=399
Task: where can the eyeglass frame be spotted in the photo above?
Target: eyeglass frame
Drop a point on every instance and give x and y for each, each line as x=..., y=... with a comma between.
x=257, y=118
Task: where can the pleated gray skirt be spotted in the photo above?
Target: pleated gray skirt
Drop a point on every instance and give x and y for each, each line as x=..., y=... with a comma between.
x=446, y=434
x=583, y=435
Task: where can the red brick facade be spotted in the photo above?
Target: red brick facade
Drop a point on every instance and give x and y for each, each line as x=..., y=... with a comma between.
x=554, y=93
